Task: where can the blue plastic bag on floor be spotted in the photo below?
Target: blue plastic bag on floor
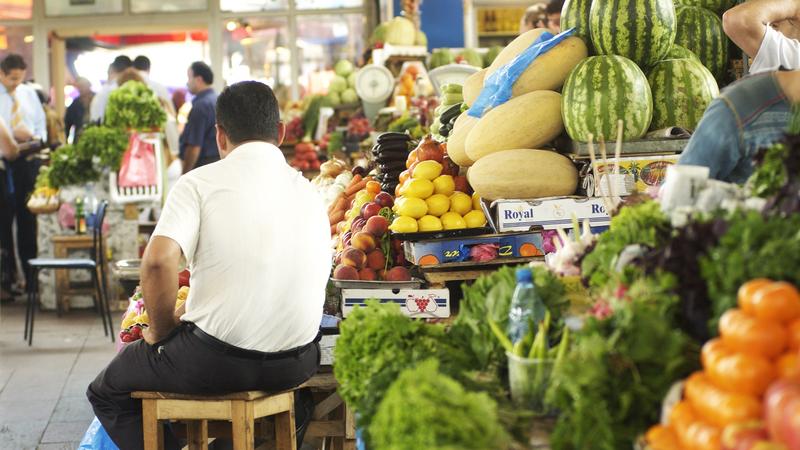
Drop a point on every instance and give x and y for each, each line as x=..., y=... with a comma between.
x=96, y=438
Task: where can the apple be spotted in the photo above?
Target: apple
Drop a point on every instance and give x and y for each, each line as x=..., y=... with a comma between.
x=384, y=199
x=782, y=412
x=370, y=209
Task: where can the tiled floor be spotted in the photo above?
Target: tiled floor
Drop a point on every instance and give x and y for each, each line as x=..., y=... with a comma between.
x=42, y=388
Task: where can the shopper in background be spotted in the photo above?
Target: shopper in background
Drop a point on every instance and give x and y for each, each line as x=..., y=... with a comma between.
x=747, y=116
x=98, y=108
x=55, y=124
x=8, y=153
x=21, y=109
x=535, y=17
x=78, y=111
x=198, y=145
x=142, y=64
x=252, y=318
x=767, y=31
x=553, y=12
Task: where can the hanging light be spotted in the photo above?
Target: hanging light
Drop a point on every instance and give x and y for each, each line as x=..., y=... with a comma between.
x=231, y=25
x=28, y=39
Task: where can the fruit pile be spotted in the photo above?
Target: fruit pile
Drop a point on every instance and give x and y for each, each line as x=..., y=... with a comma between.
x=45, y=196
x=445, y=115
x=349, y=202
x=136, y=319
x=294, y=130
x=358, y=127
x=305, y=157
x=432, y=197
x=737, y=402
x=342, y=87
x=390, y=153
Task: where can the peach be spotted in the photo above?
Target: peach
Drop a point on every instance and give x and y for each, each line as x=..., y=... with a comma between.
x=343, y=272
x=367, y=274
x=398, y=274
x=363, y=241
x=376, y=260
x=381, y=274
x=354, y=257
x=377, y=226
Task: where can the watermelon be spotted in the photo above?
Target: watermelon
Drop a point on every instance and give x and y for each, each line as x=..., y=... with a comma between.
x=681, y=52
x=700, y=31
x=718, y=6
x=602, y=90
x=682, y=90
x=640, y=30
x=575, y=14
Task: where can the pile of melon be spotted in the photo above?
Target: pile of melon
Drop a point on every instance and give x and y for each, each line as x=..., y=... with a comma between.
x=503, y=148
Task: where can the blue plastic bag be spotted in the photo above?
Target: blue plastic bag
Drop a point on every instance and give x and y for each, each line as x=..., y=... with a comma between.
x=96, y=438
x=497, y=88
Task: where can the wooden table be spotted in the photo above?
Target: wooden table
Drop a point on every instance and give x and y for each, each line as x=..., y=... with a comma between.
x=62, y=245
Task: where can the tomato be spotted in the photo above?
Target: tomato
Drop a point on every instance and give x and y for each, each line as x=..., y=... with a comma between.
x=743, y=333
x=681, y=416
x=747, y=291
x=778, y=302
x=788, y=366
x=736, y=371
x=744, y=436
x=373, y=187
x=794, y=335
x=660, y=437
x=717, y=406
x=693, y=433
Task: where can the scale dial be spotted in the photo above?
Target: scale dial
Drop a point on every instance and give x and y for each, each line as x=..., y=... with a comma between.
x=374, y=84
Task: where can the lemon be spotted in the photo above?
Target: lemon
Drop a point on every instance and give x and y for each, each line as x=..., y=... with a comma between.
x=475, y=219
x=429, y=223
x=476, y=201
x=427, y=170
x=412, y=207
x=404, y=224
x=419, y=188
x=453, y=221
x=460, y=203
x=445, y=185
x=438, y=204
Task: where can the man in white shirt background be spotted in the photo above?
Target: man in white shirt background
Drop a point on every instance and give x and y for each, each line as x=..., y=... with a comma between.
x=98, y=107
x=767, y=31
x=142, y=64
x=22, y=111
x=255, y=236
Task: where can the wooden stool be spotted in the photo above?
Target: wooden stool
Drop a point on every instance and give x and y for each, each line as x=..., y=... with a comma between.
x=242, y=409
x=332, y=421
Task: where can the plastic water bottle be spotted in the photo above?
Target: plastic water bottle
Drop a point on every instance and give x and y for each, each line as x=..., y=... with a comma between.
x=526, y=307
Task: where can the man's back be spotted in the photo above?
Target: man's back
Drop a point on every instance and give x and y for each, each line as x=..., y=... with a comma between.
x=257, y=240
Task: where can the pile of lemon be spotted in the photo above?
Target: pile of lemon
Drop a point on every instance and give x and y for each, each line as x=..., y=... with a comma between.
x=429, y=201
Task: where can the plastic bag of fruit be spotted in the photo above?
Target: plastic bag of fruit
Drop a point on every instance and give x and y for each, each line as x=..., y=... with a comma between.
x=135, y=319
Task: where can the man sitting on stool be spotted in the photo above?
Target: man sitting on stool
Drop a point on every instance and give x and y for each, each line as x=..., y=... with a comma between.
x=256, y=238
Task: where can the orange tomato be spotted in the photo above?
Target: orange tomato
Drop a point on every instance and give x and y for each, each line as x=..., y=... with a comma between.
x=693, y=433
x=717, y=406
x=743, y=333
x=778, y=302
x=681, y=416
x=747, y=291
x=411, y=158
x=788, y=366
x=404, y=175
x=736, y=371
x=660, y=437
x=373, y=187
x=794, y=335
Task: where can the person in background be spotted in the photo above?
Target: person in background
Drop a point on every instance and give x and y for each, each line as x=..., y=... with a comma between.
x=55, y=125
x=553, y=12
x=767, y=31
x=142, y=64
x=21, y=109
x=748, y=115
x=78, y=111
x=251, y=322
x=198, y=146
x=98, y=108
x=535, y=17
x=8, y=153
x=178, y=98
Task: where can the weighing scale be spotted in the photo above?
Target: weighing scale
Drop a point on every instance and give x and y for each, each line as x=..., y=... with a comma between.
x=374, y=85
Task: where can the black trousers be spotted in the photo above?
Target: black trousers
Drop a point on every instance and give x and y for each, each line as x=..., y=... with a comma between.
x=183, y=363
x=14, y=205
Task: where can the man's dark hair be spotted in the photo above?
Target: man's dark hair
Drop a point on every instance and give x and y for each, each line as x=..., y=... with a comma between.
x=248, y=111
x=12, y=62
x=142, y=63
x=555, y=7
x=121, y=63
x=201, y=69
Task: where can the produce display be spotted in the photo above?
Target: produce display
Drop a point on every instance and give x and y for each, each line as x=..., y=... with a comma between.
x=682, y=90
x=44, y=197
x=450, y=107
x=305, y=157
x=342, y=87
x=575, y=14
x=136, y=318
x=700, y=31
x=391, y=152
x=546, y=174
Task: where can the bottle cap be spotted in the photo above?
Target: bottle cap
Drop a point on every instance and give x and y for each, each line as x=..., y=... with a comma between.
x=524, y=275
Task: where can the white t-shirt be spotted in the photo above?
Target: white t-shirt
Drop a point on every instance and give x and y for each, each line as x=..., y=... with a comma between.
x=257, y=240
x=776, y=51
x=97, y=109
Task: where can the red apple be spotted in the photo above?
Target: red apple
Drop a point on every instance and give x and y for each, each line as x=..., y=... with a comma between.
x=370, y=209
x=384, y=199
x=782, y=412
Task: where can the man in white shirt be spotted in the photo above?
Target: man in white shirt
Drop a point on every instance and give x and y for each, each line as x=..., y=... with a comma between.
x=255, y=236
x=142, y=64
x=97, y=109
x=767, y=31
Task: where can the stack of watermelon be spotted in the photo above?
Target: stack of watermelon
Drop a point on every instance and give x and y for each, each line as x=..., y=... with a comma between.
x=678, y=48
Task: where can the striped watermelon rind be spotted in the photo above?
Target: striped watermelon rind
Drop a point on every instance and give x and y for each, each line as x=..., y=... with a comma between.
x=718, y=6
x=682, y=90
x=575, y=14
x=700, y=31
x=602, y=90
x=640, y=30
x=681, y=52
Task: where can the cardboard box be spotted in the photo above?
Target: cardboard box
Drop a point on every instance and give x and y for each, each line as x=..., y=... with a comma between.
x=326, y=346
x=549, y=214
x=647, y=172
x=443, y=251
x=415, y=303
